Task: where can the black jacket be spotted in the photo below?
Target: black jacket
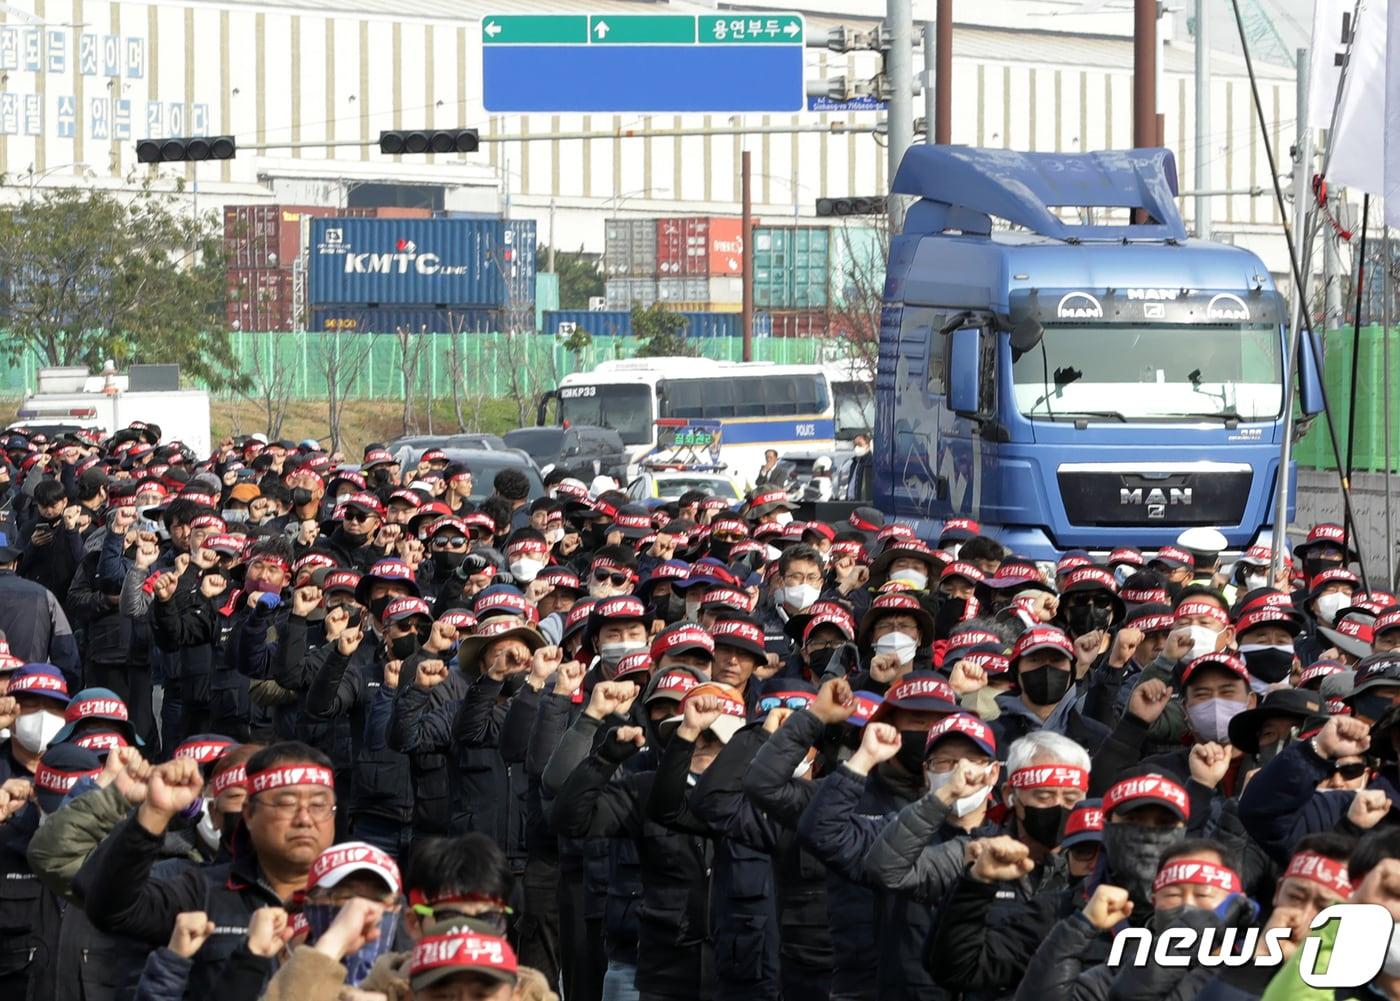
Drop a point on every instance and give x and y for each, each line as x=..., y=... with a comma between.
x=675, y=955
x=36, y=627
x=123, y=899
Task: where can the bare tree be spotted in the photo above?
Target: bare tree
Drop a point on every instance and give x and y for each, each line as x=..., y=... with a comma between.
x=269, y=384
x=411, y=343
x=342, y=356
x=857, y=299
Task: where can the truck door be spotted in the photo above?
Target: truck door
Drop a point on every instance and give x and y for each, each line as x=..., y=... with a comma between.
x=961, y=464
x=918, y=395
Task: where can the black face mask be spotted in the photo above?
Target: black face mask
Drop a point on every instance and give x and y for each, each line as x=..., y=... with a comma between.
x=673, y=609
x=1316, y=566
x=1174, y=590
x=1269, y=665
x=1132, y=853
x=1268, y=752
x=403, y=647
x=1370, y=706
x=1045, y=685
x=817, y=661
x=378, y=605
x=446, y=564
x=1083, y=619
x=911, y=751
x=301, y=496
x=720, y=549
x=950, y=613
x=1046, y=824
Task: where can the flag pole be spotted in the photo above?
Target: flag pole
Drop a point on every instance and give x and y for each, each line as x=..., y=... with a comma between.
x=1349, y=529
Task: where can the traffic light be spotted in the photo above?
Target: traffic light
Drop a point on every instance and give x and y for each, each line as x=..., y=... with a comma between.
x=850, y=206
x=187, y=148
x=429, y=141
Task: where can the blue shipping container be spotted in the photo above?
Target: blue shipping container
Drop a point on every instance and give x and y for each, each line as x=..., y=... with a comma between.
x=429, y=319
x=618, y=323
x=420, y=262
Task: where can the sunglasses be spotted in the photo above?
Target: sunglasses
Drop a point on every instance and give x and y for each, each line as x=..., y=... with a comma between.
x=448, y=540
x=355, y=514
x=1350, y=771
x=771, y=702
x=618, y=579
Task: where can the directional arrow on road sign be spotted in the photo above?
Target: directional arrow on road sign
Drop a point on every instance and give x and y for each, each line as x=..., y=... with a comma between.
x=601, y=29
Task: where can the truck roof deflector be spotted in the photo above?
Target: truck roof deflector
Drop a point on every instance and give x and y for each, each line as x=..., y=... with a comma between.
x=963, y=186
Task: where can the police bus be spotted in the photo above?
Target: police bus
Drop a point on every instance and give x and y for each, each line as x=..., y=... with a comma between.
x=761, y=406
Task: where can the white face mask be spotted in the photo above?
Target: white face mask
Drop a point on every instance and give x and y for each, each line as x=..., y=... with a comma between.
x=772, y=554
x=783, y=518
x=899, y=644
x=1330, y=604
x=1203, y=641
x=954, y=549
x=918, y=579
x=35, y=730
x=1253, y=581
x=207, y=827
x=963, y=805
x=692, y=610
x=553, y=536
x=611, y=653
x=799, y=596
x=526, y=568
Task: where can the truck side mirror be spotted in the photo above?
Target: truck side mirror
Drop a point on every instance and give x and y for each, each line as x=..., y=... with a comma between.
x=1026, y=334
x=1309, y=385
x=964, y=371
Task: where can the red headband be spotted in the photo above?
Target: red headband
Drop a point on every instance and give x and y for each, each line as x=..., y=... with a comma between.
x=1326, y=872
x=294, y=774
x=1207, y=608
x=1194, y=872
x=1050, y=777
x=228, y=778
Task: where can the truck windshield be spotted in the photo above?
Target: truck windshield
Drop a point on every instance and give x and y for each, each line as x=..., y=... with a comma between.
x=625, y=409
x=1152, y=372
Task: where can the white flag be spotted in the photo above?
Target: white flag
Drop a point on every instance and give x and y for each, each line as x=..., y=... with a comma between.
x=1391, y=192
x=1357, y=158
x=1331, y=30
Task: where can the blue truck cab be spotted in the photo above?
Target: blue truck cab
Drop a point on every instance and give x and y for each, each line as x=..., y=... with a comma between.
x=1080, y=384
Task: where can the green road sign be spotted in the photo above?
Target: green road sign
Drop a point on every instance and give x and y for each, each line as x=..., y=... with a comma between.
x=534, y=29
x=755, y=29
x=641, y=29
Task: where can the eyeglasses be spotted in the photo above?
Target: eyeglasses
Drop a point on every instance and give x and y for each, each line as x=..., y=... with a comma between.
x=355, y=514
x=771, y=702
x=618, y=579
x=796, y=578
x=1084, y=852
x=287, y=808
x=1350, y=771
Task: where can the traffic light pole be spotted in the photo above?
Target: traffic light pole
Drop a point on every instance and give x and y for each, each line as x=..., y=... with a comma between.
x=746, y=227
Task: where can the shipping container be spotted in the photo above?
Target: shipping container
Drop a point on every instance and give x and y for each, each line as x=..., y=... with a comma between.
x=717, y=290
x=689, y=306
x=792, y=267
x=618, y=323
x=266, y=236
x=420, y=262
x=857, y=263
x=401, y=212
x=258, y=299
x=629, y=248
x=805, y=323
x=624, y=293
x=698, y=246
x=426, y=319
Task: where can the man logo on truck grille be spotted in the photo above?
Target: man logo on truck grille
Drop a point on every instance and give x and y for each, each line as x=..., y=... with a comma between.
x=1079, y=306
x=1156, y=499
x=1226, y=306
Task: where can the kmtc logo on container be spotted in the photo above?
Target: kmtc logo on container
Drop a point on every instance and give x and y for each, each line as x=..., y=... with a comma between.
x=400, y=261
x=1358, y=952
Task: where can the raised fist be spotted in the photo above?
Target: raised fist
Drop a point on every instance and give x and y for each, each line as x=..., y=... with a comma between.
x=1108, y=906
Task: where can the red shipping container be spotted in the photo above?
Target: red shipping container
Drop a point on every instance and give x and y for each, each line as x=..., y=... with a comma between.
x=699, y=246
x=802, y=323
x=266, y=236
x=395, y=212
x=259, y=299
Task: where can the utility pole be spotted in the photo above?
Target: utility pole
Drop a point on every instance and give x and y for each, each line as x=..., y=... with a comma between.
x=932, y=90
x=746, y=224
x=942, y=120
x=1203, y=119
x=899, y=71
x=1144, y=73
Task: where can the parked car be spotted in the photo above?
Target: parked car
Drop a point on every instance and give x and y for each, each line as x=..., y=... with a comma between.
x=585, y=451
x=667, y=485
x=472, y=440
x=484, y=463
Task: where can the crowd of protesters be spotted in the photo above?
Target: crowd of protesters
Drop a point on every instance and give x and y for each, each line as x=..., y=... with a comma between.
x=277, y=727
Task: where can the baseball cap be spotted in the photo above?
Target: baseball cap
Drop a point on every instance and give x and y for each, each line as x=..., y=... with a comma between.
x=58, y=771
x=1084, y=823
x=733, y=712
x=921, y=691
x=39, y=679
x=339, y=861
x=742, y=634
x=682, y=637
x=463, y=948
x=672, y=683
x=1222, y=659
x=1042, y=638
x=962, y=725
x=1174, y=557
x=1145, y=790
x=101, y=704
x=405, y=608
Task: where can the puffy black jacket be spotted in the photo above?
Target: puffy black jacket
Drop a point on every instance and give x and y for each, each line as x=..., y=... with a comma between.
x=36, y=627
x=675, y=955
x=343, y=687
x=199, y=630
x=108, y=637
